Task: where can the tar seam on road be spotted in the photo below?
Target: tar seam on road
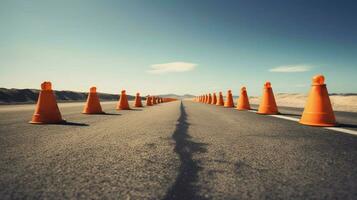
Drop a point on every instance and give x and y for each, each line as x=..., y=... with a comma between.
x=185, y=184
x=342, y=130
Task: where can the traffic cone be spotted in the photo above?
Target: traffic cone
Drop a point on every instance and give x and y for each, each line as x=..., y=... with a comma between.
x=229, y=102
x=243, y=100
x=138, y=100
x=318, y=110
x=47, y=111
x=93, y=105
x=214, y=99
x=268, y=105
x=148, y=101
x=154, y=100
x=220, y=101
x=123, y=103
x=209, y=98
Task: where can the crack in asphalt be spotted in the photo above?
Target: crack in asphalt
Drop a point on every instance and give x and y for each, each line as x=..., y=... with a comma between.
x=185, y=184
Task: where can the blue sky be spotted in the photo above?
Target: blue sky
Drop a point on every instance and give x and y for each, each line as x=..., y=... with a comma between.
x=178, y=47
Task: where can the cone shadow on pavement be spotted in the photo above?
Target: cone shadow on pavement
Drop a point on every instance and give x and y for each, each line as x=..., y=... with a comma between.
x=73, y=124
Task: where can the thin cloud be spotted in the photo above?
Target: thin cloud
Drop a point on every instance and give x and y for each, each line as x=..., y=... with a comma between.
x=171, y=67
x=291, y=69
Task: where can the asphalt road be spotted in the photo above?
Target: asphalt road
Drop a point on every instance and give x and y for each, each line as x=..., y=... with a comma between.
x=174, y=151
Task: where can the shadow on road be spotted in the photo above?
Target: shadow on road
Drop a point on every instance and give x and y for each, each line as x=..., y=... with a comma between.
x=290, y=114
x=73, y=124
x=136, y=109
x=105, y=114
x=185, y=184
x=347, y=125
x=111, y=114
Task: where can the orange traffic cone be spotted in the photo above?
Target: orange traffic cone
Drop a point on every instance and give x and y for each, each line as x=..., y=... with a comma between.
x=243, y=100
x=229, y=102
x=209, y=98
x=318, y=110
x=214, y=99
x=148, y=101
x=154, y=100
x=220, y=101
x=138, y=100
x=93, y=105
x=123, y=103
x=268, y=105
x=46, y=111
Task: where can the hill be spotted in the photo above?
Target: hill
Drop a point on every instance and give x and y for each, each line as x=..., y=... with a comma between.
x=21, y=96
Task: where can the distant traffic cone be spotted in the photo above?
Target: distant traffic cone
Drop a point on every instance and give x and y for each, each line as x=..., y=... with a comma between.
x=148, y=101
x=47, y=111
x=229, y=101
x=268, y=105
x=93, y=105
x=318, y=110
x=209, y=98
x=205, y=98
x=123, y=103
x=220, y=101
x=214, y=99
x=154, y=100
x=138, y=102
x=243, y=100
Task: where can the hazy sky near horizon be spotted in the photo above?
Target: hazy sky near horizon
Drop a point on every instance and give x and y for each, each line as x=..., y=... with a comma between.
x=178, y=46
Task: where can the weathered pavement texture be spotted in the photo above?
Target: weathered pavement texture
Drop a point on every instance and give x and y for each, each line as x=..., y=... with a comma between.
x=174, y=151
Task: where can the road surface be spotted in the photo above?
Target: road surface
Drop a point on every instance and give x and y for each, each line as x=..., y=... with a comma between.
x=174, y=151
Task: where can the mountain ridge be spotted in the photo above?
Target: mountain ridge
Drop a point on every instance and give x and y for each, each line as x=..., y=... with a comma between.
x=28, y=96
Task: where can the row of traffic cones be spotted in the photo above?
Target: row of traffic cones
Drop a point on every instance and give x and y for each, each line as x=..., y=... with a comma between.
x=318, y=110
x=47, y=111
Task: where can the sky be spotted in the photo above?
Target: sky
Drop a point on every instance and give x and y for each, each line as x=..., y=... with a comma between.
x=167, y=46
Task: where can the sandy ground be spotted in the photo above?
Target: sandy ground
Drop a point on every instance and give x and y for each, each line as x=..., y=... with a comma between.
x=339, y=102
